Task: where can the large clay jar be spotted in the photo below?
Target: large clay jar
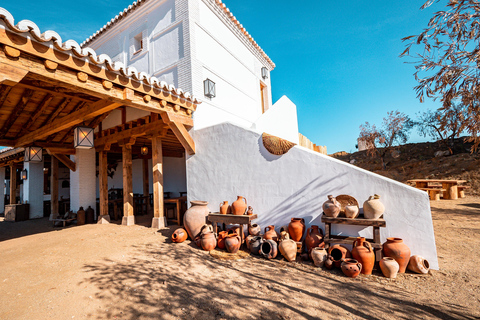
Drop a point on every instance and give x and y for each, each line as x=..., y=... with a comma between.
x=208, y=241
x=389, y=267
x=89, y=215
x=319, y=256
x=418, y=264
x=331, y=207
x=221, y=239
x=296, y=229
x=373, y=208
x=363, y=252
x=288, y=248
x=351, y=268
x=239, y=206
x=224, y=207
x=339, y=253
x=270, y=233
x=396, y=249
x=351, y=212
x=232, y=243
x=268, y=249
x=255, y=244
x=314, y=238
x=195, y=218
x=179, y=235
x=80, y=217
x=254, y=229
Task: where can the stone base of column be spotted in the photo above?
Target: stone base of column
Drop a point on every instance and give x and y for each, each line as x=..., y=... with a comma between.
x=128, y=220
x=53, y=216
x=103, y=219
x=158, y=223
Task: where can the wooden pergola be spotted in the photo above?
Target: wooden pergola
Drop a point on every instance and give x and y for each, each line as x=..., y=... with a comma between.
x=46, y=91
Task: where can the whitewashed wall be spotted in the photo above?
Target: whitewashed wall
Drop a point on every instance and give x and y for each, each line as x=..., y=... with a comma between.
x=232, y=161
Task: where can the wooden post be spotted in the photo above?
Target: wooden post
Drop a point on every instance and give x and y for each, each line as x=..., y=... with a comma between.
x=146, y=184
x=128, y=217
x=104, y=217
x=13, y=184
x=157, y=166
x=54, y=188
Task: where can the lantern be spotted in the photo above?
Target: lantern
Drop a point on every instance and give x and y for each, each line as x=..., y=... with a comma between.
x=209, y=88
x=33, y=154
x=264, y=73
x=83, y=138
x=23, y=174
x=144, y=150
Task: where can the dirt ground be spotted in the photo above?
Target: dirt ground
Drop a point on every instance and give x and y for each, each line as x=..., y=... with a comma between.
x=117, y=272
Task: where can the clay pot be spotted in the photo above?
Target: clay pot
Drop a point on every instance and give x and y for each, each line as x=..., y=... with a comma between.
x=239, y=206
x=351, y=268
x=195, y=218
x=331, y=207
x=351, y=212
x=250, y=210
x=80, y=217
x=418, y=264
x=255, y=244
x=284, y=228
x=254, y=229
x=206, y=228
x=338, y=253
x=208, y=241
x=389, y=267
x=221, y=239
x=232, y=243
x=296, y=229
x=268, y=249
x=319, y=256
x=329, y=262
x=179, y=235
x=247, y=240
x=288, y=247
x=396, y=249
x=89, y=215
x=236, y=229
x=363, y=252
x=270, y=234
x=314, y=238
x=224, y=207
x=373, y=208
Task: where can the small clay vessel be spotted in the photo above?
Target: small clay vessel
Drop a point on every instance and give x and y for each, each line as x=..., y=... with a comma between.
x=232, y=243
x=224, y=207
x=254, y=229
x=247, y=240
x=389, y=267
x=319, y=256
x=331, y=207
x=284, y=228
x=255, y=244
x=208, y=241
x=268, y=249
x=89, y=215
x=250, y=210
x=329, y=262
x=80, y=217
x=287, y=247
x=270, y=234
x=339, y=253
x=396, y=249
x=314, y=238
x=239, y=206
x=373, y=208
x=179, y=235
x=195, y=217
x=221, y=239
x=351, y=268
x=418, y=264
x=363, y=252
x=351, y=212
x=236, y=229
x=296, y=229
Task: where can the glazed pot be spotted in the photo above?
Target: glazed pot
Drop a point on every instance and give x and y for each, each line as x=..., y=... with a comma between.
x=250, y=210
x=331, y=207
x=195, y=218
x=314, y=238
x=396, y=249
x=319, y=256
x=339, y=253
x=254, y=229
x=179, y=235
x=363, y=252
x=418, y=264
x=80, y=217
x=255, y=244
x=208, y=241
x=224, y=207
x=351, y=212
x=373, y=208
x=389, y=267
x=270, y=233
x=221, y=239
x=351, y=268
x=296, y=229
x=232, y=243
x=268, y=249
x=288, y=247
x=239, y=206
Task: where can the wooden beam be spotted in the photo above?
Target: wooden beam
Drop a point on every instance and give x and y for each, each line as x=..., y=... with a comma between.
x=64, y=159
x=69, y=133
x=38, y=112
x=174, y=117
x=10, y=75
x=59, y=109
x=128, y=217
x=4, y=91
x=180, y=132
x=13, y=184
x=157, y=166
x=27, y=94
x=103, y=186
x=54, y=189
x=128, y=133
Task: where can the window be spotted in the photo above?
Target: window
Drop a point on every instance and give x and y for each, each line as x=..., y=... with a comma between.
x=264, y=96
x=138, y=43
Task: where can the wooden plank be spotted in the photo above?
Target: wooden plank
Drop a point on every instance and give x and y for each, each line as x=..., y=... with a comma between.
x=231, y=218
x=40, y=110
x=10, y=75
x=357, y=221
x=103, y=182
x=54, y=189
x=64, y=159
x=4, y=91
x=13, y=184
x=127, y=181
x=27, y=94
x=349, y=240
x=107, y=137
x=157, y=167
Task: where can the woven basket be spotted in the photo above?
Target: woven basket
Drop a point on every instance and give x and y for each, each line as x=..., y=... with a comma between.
x=346, y=200
x=276, y=145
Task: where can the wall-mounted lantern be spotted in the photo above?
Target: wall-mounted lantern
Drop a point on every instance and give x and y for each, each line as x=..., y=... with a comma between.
x=83, y=138
x=144, y=150
x=209, y=88
x=23, y=174
x=264, y=73
x=33, y=154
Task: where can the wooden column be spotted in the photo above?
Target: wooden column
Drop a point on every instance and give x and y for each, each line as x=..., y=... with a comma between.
x=54, y=188
x=146, y=184
x=159, y=220
x=104, y=217
x=128, y=217
x=13, y=184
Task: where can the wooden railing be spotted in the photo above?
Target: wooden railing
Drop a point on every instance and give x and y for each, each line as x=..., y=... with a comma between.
x=305, y=142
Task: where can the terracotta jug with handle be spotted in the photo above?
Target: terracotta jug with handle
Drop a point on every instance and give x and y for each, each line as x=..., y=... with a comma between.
x=239, y=206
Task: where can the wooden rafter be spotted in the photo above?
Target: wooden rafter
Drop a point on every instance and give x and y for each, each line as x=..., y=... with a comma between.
x=27, y=94
x=38, y=112
x=180, y=132
x=4, y=91
x=63, y=159
x=69, y=133
x=59, y=109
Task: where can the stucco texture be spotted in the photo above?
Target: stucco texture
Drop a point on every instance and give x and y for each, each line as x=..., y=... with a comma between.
x=231, y=161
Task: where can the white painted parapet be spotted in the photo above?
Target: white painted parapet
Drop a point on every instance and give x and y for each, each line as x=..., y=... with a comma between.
x=231, y=161
x=33, y=188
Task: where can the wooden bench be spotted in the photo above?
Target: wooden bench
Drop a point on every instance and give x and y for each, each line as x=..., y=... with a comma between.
x=434, y=193
x=63, y=221
x=461, y=191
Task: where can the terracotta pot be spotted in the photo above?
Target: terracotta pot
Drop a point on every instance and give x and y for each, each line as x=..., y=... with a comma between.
x=331, y=207
x=179, y=235
x=195, y=218
x=351, y=268
x=236, y=229
x=268, y=249
x=319, y=256
x=373, y=208
x=296, y=229
x=206, y=228
x=208, y=241
x=314, y=238
x=89, y=215
x=254, y=229
x=239, y=206
x=232, y=243
x=418, y=264
x=250, y=210
x=396, y=249
x=389, y=267
x=351, y=212
x=255, y=244
x=287, y=247
x=221, y=239
x=224, y=207
x=80, y=217
x=329, y=262
x=270, y=234
x=338, y=253
x=363, y=252
x=284, y=228
x=248, y=239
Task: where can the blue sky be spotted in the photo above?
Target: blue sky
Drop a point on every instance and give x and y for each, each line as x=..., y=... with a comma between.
x=336, y=60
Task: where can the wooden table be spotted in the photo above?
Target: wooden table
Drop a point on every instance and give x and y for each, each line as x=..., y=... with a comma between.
x=451, y=186
x=216, y=217
x=180, y=203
